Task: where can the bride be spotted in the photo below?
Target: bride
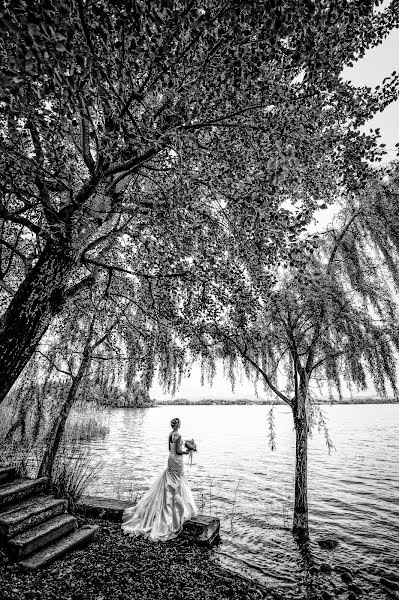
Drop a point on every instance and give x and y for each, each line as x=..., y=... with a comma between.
x=160, y=513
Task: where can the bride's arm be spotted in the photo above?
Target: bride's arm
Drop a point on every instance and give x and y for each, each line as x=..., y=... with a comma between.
x=179, y=446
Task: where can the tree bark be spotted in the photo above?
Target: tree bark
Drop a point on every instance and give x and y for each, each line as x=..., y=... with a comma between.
x=37, y=301
x=300, y=523
x=47, y=464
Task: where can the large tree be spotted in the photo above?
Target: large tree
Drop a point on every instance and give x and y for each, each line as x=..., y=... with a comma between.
x=108, y=340
x=118, y=116
x=329, y=320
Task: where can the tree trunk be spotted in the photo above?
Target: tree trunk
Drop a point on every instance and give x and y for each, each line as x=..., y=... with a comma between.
x=37, y=301
x=46, y=466
x=300, y=524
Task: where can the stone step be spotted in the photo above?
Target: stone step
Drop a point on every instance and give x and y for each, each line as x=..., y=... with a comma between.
x=19, y=489
x=10, y=508
x=28, y=542
x=29, y=513
x=81, y=536
x=108, y=509
x=202, y=529
x=7, y=474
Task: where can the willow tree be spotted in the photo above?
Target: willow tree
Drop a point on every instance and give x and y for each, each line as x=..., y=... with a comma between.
x=330, y=321
x=98, y=344
x=101, y=102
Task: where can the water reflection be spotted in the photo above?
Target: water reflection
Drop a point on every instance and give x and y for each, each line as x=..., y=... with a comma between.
x=353, y=493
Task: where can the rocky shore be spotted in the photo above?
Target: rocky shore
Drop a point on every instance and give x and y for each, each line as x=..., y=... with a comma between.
x=118, y=567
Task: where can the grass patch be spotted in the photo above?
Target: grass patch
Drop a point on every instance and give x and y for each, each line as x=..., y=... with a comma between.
x=83, y=429
x=73, y=472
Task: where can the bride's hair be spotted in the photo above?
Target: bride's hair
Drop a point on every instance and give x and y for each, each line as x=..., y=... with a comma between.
x=174, y=422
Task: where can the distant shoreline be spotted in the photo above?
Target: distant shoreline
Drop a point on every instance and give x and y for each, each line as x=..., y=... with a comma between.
x=245, y=402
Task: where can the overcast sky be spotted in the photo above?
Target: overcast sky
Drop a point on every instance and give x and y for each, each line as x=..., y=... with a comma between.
x=377, y=63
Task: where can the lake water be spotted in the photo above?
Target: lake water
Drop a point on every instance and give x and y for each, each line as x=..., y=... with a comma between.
x=353, y=492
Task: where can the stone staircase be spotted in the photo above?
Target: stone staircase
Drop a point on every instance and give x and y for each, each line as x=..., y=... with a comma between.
x=35, y=528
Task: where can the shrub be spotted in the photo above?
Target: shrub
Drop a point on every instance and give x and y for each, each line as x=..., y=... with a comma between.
x=74, y=471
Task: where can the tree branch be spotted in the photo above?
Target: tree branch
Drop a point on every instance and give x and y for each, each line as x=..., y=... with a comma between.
x=85, y=283
x=14, y=250
x=309, y=361
x=132, y=164
x=133, y=96
x=334, y=355
x=214, y=122
x=4, y=214
x=86, y=153
x=266, y=377
x=103, y=265
x=339, y=240
x=106, y=334
x=85, y=192
x=53, y=364
x=84, y=25
x=7, y=288
x=98, y=241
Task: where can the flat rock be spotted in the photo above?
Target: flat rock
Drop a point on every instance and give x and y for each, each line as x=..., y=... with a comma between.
x=328, y=543
x=325, y=568
x=346, y=577
x=355, y=589
x=202, y=529
x=103, y=508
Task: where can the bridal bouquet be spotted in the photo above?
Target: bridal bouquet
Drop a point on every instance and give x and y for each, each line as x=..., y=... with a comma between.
x=192, y=447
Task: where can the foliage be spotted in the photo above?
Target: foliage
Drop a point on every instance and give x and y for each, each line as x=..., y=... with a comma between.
x=329, y=321
x=73, y=472
x=332, y=321
x=18, y=456
x=85, y=429
x=114, y=356
x=132, y=132
x=161, y=163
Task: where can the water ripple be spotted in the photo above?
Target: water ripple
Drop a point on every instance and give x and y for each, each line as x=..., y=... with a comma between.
x=353, y=493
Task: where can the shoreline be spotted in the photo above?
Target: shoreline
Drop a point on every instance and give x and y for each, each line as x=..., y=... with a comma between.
x=117, y=566
x=120, y=567
x=184, y=402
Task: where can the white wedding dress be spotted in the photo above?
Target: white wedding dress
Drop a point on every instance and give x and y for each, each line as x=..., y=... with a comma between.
x=160, y=513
